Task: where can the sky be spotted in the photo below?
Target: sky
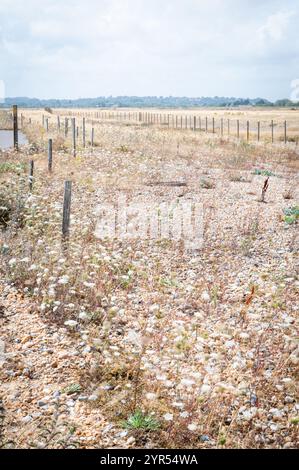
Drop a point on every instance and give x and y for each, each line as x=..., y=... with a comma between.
x=89, y=48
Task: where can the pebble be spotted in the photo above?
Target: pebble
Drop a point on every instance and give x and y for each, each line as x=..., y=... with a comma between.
x=27, y=419
x=83, y=398
x=42, y=403
x=70, y=403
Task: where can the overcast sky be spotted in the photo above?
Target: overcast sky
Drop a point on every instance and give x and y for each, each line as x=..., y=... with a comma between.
x=90, y=48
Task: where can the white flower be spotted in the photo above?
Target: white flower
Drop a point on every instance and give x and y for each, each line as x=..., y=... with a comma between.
x=151, y=396
x=90, y=285
x=205, y=388
x=64, y=280
x=12, y=262
x=187, y=382
x=205, y=296
x=168, y=383
x=168, y=417
x=51, y=292
x=33, y=267
x=184, y=414
x=192, y=427
x=230, y=344
x=178, y=404
x=83, y=316
x=71, y=323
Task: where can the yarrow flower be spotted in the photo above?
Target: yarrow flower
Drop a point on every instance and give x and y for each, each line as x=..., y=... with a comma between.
x=64, y=280
x=192, y=427
x=168, y=417
x=151, y=396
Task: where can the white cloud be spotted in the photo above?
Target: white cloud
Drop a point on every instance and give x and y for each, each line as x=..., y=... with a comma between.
x=191, y=47
x=276, y=26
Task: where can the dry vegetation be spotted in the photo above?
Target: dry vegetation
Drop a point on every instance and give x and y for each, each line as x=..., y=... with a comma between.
x=140, y=343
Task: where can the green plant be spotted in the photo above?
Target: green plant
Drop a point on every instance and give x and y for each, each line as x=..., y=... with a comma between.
x=291, y=215
x=139, y=420
x=263, y=173
x=72, y=389
x=123, y=148
x=8, y=167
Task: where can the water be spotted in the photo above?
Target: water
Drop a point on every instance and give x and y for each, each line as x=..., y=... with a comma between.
x=6, y=139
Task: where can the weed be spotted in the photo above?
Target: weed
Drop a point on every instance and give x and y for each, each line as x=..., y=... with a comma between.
x=291, y=215
x=139, y=420
x=263, y=173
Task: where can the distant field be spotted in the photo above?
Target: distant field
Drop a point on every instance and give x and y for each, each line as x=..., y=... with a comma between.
x=184, y=119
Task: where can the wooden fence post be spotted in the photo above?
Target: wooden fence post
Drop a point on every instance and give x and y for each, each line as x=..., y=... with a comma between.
x=285, y=132
x=58, y=123
x=213, y=125
x=238, y=129
x=15, y=127
x=74, y=135
x=92, y=137
x=84, y=133
x=206, y=124
x=66, y=210
x=47, y=124
x=50, y=155
x=66, y=125
x=31, y=172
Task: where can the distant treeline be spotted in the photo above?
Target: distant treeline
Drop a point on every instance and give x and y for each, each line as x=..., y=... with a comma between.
x=145, y=102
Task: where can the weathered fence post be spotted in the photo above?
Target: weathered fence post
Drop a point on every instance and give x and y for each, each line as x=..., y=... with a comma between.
x=43, y=121
x=238, y=129
x=74, y=135
x=31, y=172
x=206, y=124
x=285, y=132
x=84, y=133
x=58, y=123
x=50, y=155
x=47, y=124
x=66, y=210
x=92, y=137
x=66, y=125
x=213, y=122
x=15, y=127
